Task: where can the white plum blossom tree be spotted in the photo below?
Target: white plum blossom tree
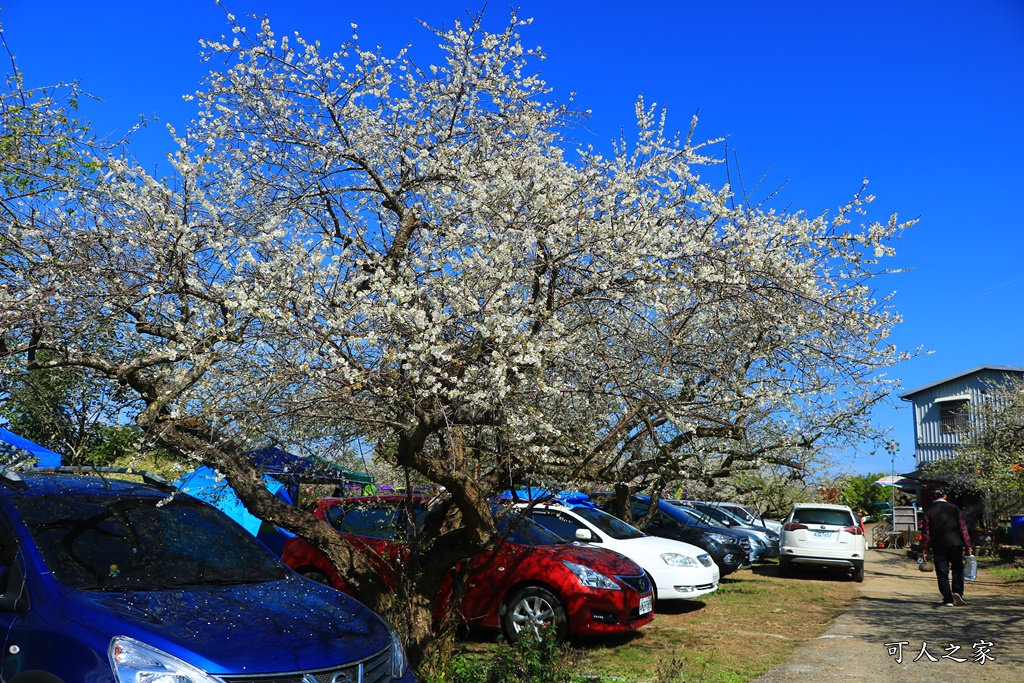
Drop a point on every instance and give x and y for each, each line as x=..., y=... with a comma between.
x=421, y=256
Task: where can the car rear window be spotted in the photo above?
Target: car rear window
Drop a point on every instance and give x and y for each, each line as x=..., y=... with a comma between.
x=372, y=522
x=823, y=516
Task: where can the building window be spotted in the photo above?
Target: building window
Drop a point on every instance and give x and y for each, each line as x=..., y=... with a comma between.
x=953, y=417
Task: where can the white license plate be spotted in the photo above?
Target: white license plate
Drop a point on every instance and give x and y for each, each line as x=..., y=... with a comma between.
x=823, y=534
x=646, y=604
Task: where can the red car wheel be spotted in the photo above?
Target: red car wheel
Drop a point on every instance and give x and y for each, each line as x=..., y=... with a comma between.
x=530, y=610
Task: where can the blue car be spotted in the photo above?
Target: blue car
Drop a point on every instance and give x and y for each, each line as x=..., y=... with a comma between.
x=106, y=580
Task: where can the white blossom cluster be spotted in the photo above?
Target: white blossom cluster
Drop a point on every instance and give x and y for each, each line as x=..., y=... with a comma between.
x=424, y=255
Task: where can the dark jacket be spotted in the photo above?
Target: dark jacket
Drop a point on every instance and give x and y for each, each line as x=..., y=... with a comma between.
x=944, y=527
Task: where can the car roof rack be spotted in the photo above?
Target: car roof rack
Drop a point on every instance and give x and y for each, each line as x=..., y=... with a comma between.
x=147, y=477
x=10, y=477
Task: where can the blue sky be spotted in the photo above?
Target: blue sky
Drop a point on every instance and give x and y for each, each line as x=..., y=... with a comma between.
x=924, y=98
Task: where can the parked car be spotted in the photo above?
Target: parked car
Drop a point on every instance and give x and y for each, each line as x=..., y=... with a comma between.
x=880, y=510
x=678, y=570
x=752, y=516
x=757, y=551
x=116, y=581
x=764, y=543
x=822, y=535
x=729, y=550
x=534, y=579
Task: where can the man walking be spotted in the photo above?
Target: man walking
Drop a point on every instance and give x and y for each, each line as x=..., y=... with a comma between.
x=943, y=528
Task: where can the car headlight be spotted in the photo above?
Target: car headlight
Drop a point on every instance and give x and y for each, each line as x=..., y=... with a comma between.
x=397, y=656
x=677, y=560
x=721, y=538
x=136, y=662
x=590, y=578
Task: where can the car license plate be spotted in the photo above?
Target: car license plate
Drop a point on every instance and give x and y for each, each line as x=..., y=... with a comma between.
x=646, y=604
x=823, y=534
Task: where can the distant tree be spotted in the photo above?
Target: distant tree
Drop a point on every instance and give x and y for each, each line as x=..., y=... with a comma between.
x=771, y=488
x=859, y=492
x=420, y=257
x=70, y=411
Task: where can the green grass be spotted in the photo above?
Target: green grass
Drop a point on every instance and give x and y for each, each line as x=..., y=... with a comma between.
x=1004, y=566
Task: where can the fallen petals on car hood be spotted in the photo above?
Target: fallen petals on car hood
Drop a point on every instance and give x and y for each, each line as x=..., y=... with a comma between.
x=298, y=622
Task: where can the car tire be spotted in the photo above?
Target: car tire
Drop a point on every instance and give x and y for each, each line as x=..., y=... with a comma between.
x=858, y=572
x=316, y=575
x=785, y=567
x=531, y=608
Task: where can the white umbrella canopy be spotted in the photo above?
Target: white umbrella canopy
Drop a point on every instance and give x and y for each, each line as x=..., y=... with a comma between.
x=897, y=481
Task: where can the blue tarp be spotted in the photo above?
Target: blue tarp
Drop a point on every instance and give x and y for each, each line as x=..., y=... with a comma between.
x=282, y=473
x=568, y=498
x=14, y=449
x=205, y=484
x=283, y=465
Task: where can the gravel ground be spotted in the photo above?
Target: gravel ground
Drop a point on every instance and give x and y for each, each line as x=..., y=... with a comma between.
x=900, y=604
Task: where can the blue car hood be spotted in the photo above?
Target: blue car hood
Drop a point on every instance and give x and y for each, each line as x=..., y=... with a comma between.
x=288, y=625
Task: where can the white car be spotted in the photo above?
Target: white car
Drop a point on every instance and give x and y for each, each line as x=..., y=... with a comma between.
x=822, y=535
x=678, y=570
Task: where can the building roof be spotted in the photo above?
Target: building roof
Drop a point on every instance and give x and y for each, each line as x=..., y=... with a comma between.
x=973, y=371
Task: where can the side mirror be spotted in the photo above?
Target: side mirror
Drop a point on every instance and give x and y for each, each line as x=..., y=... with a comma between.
x=584, y=535
x=15, y=595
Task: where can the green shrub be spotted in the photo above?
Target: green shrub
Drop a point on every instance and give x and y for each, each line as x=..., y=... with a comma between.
x=528, y=660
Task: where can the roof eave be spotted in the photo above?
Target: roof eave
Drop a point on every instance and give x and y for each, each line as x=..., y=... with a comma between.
x=905, y=396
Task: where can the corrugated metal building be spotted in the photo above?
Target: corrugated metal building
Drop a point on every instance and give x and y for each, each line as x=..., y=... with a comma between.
x=941, y=409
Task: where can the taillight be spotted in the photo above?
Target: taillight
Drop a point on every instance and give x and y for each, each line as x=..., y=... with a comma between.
x=855, y=530
x=793, y=526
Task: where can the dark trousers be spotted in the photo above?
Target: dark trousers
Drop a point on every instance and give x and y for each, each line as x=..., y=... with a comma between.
x=946, y=559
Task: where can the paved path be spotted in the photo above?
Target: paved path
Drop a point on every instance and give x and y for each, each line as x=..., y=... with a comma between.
x=898, y=603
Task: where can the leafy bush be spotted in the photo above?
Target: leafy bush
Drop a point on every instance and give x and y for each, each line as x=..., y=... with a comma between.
x=859, y=493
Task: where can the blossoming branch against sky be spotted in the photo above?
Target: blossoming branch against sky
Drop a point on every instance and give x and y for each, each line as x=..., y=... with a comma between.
x=922, y=98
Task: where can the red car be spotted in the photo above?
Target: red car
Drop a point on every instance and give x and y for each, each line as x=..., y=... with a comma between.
x=536, y=578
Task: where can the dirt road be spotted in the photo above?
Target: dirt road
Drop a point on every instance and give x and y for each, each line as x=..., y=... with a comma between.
x=897, y=620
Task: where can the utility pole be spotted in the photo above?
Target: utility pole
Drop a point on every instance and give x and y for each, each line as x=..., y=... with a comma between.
x=893, y=447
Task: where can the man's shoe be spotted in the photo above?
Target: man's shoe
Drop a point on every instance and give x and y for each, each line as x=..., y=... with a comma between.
x=958, y=600
x=945, y=604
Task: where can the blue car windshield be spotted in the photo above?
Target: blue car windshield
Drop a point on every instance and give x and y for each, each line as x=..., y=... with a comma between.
x=95, y=542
